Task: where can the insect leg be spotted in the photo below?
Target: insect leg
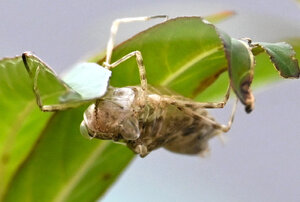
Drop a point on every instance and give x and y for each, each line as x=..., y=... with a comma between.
x=140, y=64
x=49, y=108
x=189, y=111
x=34, y=77
x=196, y=105
x=140, y=149
x=114, y=29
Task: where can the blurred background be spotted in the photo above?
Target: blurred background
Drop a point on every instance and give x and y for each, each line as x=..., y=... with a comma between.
x=260, y=158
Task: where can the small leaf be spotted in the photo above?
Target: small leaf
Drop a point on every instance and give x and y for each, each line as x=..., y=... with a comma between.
x=89, y=80
x=46, y=84
x=86, y=82
x=241, y=72
x=281, y=55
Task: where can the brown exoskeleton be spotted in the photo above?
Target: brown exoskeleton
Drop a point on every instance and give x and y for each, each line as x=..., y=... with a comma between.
x=144, y=119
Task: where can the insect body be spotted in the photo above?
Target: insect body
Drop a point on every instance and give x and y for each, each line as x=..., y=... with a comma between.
x=160, y=121
x=144, y=119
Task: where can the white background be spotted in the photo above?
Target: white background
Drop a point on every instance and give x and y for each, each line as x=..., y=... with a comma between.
x=261, y=158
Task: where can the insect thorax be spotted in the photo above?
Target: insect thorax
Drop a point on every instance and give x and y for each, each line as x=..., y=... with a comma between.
x=120, y=116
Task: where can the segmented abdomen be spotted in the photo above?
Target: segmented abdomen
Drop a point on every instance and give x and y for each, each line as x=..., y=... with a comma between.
x=174, y=130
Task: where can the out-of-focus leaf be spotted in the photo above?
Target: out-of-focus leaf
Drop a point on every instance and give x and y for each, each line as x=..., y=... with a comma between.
x=43, y=155
x=241, y=72
x=282, y=56
x=220, y=16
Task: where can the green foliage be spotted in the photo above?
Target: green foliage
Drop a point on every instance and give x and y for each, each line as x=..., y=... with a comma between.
x=42, y=155
x=241, y=72
x=183, y=54
x=282, y=56
x=80, y=85
x=63, y=166
x=23, y=120
x=84, y=79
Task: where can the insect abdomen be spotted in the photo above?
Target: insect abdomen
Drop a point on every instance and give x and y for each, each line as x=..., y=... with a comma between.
x=174, y=130
x=192, y=136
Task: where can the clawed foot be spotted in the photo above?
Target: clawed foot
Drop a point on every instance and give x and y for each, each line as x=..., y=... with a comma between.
x=141, y=150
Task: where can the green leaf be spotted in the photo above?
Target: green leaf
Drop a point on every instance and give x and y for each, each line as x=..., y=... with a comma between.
x=23, y=120
x=281, y=55
x=89, y=80
x=86, y=82
x=241, y=72
x=186, y=60
x=63, y=166
x=263, y=72
x=43, y=147
x=45, y=83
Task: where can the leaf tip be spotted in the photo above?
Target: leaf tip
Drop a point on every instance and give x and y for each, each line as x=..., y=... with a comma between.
x=247, y=96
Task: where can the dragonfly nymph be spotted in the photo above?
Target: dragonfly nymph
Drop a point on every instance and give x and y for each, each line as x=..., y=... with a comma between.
x=144, y=119
x=150, y=122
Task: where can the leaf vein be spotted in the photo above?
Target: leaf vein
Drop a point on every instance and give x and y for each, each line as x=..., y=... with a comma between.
x=188, y=65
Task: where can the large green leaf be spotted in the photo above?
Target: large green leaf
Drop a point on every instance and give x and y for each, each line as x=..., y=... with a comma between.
x=63, y=166
x=39, y=147
x=183, y=54
x=19, y=114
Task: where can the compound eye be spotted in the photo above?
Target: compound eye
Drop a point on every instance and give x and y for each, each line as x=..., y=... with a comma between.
x=84, y=131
